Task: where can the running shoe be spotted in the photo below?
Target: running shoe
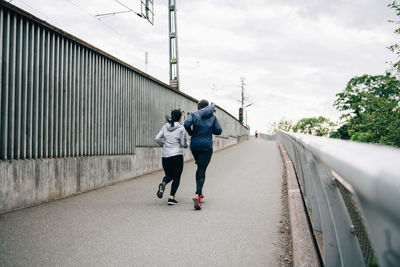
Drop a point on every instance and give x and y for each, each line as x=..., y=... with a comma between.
x=160, y=192
x=201, y=197
x=172, y=201
x=196, y=201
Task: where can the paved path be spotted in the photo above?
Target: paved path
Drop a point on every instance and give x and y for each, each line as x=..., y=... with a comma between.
x=126, y=225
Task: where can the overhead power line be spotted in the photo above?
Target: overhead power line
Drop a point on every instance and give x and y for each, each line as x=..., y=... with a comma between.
x=99, y=16
x=38, y=11
x=124, y=5
x=94, y=17
x=120, y=36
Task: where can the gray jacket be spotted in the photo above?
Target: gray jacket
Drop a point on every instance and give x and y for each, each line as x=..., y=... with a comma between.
x=172, y=139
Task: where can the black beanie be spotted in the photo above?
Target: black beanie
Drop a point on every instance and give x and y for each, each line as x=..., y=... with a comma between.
x=202, y=104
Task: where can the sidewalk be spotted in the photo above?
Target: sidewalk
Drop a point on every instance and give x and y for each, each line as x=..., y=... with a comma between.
x=127, y=225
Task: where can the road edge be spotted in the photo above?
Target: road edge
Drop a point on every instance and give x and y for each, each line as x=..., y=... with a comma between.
x=304, y=251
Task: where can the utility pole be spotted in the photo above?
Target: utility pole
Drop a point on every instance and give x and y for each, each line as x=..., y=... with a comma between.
x=173, y=46
x=241, y=109
x=242, y=86
x=146, y=59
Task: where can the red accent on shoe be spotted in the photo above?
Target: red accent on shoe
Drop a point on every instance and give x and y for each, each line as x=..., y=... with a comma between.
x=201, y=197
x=196, y=201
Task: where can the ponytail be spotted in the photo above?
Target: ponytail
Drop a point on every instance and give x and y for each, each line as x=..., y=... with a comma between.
x=169, y=120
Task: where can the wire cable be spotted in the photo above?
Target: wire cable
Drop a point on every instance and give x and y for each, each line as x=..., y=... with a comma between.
x=94, y=17
x=129, y=10
x=124, y=6
x=120, y=36
x=38, y=11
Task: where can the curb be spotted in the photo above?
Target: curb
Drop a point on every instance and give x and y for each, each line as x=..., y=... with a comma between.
x=304, y=251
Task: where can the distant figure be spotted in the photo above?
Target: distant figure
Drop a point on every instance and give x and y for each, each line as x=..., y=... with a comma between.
x=172, y=138
x=201, y=125
x=256, y=134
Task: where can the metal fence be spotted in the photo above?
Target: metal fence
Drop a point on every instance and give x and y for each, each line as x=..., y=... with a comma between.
x=352, y=193
x=61, y=97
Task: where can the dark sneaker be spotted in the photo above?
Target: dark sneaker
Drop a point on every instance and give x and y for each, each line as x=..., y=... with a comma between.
x=172, y=201
x=160, y=192
x=201, y=197
x=196, y=201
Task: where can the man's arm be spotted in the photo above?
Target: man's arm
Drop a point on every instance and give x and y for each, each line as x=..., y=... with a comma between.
x=188, y=124
x=217, y=129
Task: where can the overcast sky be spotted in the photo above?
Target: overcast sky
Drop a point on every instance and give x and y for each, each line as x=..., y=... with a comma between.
x=295, y=55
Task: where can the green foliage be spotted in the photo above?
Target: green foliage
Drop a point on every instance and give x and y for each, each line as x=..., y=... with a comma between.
x=283, y=124
x=374, y=262
x=319, y=126
x=362, y=92
x=395, y=48
x=371, y=106
x=341, y=133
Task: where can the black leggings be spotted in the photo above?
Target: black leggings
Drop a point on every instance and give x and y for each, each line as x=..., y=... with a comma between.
x=202, y=159
x=173, y=167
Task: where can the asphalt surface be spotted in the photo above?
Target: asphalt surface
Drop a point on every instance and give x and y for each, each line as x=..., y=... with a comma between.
x=127, y=225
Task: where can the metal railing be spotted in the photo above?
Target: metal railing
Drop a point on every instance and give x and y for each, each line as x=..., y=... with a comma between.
x=61, y=97
x=352, y=193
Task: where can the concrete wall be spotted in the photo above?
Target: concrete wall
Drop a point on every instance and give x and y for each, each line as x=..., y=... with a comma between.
x=27, y=182
x=84, y=110
x=82, y=101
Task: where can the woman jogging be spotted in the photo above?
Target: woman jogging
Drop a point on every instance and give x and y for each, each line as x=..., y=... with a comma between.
x=172, y=138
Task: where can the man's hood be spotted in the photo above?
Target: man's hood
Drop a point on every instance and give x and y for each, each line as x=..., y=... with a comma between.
x=206, y=112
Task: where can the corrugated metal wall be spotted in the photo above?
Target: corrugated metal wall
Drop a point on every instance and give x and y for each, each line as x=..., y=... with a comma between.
x=62, y=98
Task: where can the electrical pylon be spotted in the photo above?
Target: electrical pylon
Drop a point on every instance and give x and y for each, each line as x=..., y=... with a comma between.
x=173, y=46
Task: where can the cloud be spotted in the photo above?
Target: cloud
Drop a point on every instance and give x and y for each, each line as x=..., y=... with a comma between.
x=295, y=55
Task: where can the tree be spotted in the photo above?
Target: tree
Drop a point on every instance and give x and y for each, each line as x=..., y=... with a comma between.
x=371, y=103
x=341, y=133
x=319, y=126
x=283, y=124
x=395, y=48
x=372, y=111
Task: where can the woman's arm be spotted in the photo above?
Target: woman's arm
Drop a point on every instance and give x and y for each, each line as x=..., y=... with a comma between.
x=160, y=137
x=183, y=139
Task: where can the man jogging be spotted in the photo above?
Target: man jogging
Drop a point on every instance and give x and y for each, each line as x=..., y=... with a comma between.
x=201, y=125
